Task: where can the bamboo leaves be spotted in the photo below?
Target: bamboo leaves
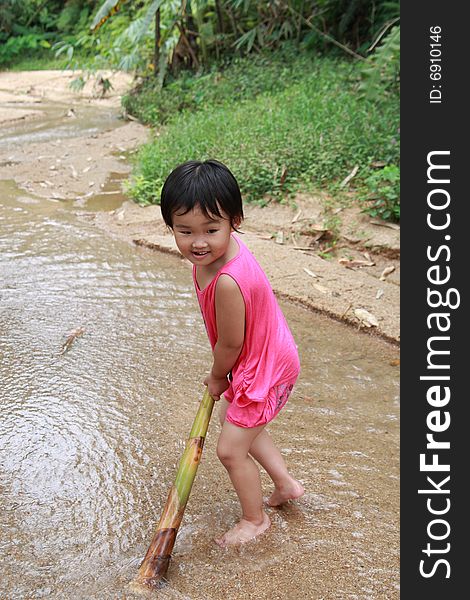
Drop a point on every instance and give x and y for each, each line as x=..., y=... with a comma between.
x=107, y=10
x=191, y=34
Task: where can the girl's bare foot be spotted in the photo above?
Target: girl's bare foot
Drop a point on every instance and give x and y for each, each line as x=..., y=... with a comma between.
x=243, y=532
x=293, y=490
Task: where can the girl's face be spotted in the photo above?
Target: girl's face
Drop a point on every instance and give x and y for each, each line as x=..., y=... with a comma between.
x=201, y=239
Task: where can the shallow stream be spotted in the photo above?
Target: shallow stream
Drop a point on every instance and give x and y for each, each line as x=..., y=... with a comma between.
x=90, y=437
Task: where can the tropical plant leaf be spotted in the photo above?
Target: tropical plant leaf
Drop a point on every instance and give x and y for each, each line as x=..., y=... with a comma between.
x=147, y=20
x=247, y=39
x=107, y=10
x=162, y=67
x=381, y=71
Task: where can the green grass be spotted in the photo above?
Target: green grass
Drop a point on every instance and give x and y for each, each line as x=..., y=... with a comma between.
x=242, y=80
x=37, y=58
x=38, y=63
x=306, y=130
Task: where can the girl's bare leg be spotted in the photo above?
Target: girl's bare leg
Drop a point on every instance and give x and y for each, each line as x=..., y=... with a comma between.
x=232, y=450
x=286, y=487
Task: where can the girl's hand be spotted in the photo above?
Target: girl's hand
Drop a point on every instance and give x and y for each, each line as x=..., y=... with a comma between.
x=216, y=385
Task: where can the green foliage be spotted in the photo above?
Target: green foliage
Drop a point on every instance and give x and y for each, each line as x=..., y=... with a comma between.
x=19, y=46
x=196, y=34
x=307, y=133
x=40, y=61
x=381, y=73
x=123, y=43
x=29, y=27
x=193, y=34
x=383, y=194
x=353, y=23
x=15, y=13
x=78, y=84
x=282, y=120
x=73, y=17
x=266, y=24
x=242, y=79
x=105, y=10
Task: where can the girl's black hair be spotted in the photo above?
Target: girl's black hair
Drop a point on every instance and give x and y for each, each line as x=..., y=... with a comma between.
x=208, y=185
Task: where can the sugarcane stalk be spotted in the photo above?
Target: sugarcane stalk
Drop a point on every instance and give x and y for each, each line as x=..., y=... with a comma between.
x=155, y=564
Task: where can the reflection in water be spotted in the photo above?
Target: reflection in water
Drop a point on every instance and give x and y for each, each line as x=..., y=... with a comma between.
x=90, y=438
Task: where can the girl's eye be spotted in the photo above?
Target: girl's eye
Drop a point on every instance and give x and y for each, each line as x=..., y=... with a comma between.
x=213, y=230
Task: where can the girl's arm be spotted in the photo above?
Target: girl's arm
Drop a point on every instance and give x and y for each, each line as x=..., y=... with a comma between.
x=230, y=318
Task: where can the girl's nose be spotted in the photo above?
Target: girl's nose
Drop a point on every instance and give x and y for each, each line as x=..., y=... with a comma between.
x=199, y=243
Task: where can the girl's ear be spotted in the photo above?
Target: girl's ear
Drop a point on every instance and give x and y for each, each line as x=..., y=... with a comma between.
x=236, y=223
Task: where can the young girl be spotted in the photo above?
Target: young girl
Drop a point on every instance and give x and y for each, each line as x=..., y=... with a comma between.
x=255, y=359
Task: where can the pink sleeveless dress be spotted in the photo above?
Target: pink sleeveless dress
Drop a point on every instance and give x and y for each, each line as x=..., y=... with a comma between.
x=267, y=368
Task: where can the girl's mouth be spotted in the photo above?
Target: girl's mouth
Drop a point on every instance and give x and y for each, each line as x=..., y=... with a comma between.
x=200, y=254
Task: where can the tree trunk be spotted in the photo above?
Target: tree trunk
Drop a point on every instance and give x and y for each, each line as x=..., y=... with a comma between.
x=156, y=50
x=220, y=27
x=220, y=17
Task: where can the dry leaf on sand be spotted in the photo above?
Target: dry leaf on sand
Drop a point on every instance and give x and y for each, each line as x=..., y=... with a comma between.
x=386, y=272
x=366, y=318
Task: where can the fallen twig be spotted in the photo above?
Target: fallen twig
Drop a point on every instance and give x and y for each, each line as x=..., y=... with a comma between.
x=349, y=264
x=311, y=273
x=385, y=224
